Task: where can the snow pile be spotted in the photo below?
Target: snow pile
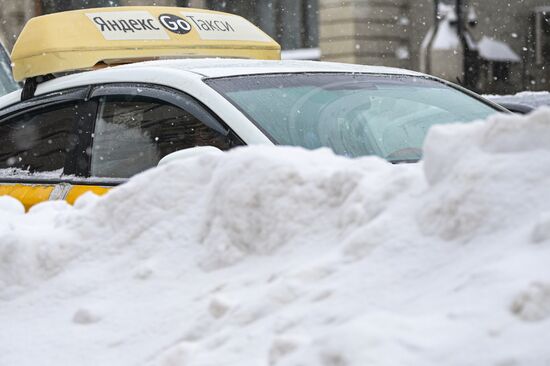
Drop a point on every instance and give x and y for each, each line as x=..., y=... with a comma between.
x=531, y=99
x=280, y=256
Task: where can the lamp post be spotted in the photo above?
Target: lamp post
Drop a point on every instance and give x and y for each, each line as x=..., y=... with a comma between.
x=459, y=18
x=470, y=53
x=436, y=12
x=468, y=77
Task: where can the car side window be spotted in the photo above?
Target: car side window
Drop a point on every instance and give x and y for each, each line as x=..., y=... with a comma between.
x=132, y=134
x=39, y=141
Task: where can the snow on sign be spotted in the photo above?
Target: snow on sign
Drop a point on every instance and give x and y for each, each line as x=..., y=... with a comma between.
x=215, y=26
x=128, y=25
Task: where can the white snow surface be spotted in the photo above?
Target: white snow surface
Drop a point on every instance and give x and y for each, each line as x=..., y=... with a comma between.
x=446, y=37
x=281, y=256
x=301, y=54
x=532, y=99
x=493, y=50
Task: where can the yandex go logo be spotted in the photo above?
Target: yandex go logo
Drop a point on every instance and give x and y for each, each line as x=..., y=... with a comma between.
x=174, y=23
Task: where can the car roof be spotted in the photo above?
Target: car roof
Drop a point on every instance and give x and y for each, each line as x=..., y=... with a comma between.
x=236, y=67
x=171, y=72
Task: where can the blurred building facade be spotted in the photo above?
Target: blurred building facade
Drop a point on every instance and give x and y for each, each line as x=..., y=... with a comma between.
x=507, y=43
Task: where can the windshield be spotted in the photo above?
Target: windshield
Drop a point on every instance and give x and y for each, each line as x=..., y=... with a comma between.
x=7, y=84
x=353, y=114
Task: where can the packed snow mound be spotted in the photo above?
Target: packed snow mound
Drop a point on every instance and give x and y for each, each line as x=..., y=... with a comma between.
x=281, y=256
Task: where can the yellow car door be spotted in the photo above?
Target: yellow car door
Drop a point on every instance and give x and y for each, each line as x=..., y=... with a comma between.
x=43, y=149
x=31, y=194
x=90, y=139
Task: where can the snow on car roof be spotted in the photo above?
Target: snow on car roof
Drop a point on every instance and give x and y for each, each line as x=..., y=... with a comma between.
x=235, y=67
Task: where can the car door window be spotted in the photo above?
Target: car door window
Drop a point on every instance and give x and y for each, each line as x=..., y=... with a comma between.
x=132, y=134
x=39, y=142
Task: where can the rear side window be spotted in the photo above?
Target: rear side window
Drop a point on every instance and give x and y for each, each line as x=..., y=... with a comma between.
x=133, y=133
x=39, y=141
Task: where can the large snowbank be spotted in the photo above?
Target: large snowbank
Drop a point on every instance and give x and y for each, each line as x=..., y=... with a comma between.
x=279, y=256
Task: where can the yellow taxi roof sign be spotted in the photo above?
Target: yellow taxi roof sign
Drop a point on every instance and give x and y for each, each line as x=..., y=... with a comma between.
x=82, y=39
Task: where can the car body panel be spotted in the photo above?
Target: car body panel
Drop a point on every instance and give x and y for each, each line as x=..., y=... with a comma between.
x=212, y=67
x=33, y=194
x=77, y=191
x=28, y=194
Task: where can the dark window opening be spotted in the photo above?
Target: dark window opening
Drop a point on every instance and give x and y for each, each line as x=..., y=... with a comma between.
x=546, y=37
x=501, y=71
x=133, y=134
x=40, y=141
x=542, y=37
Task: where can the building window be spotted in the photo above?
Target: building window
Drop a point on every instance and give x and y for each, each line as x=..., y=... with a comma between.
x=542, y=37
x=501, y=71
x=292, y=23
x=546, y=37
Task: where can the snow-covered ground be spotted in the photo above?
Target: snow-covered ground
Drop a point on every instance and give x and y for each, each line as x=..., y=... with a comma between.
x=531, y=99
x=280, y=256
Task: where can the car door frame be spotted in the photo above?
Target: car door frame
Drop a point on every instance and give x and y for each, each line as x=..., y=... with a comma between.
x=165, y=94
x=76, y=178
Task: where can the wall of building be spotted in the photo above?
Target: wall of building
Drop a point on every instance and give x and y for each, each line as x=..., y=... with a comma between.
x=14, y=15
x=391, y=32
x=365, y=31
x=421, y=17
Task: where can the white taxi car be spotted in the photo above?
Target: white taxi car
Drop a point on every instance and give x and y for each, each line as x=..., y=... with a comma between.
x=70, y=131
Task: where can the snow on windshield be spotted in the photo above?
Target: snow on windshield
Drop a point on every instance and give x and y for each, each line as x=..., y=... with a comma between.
x=282, y=256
